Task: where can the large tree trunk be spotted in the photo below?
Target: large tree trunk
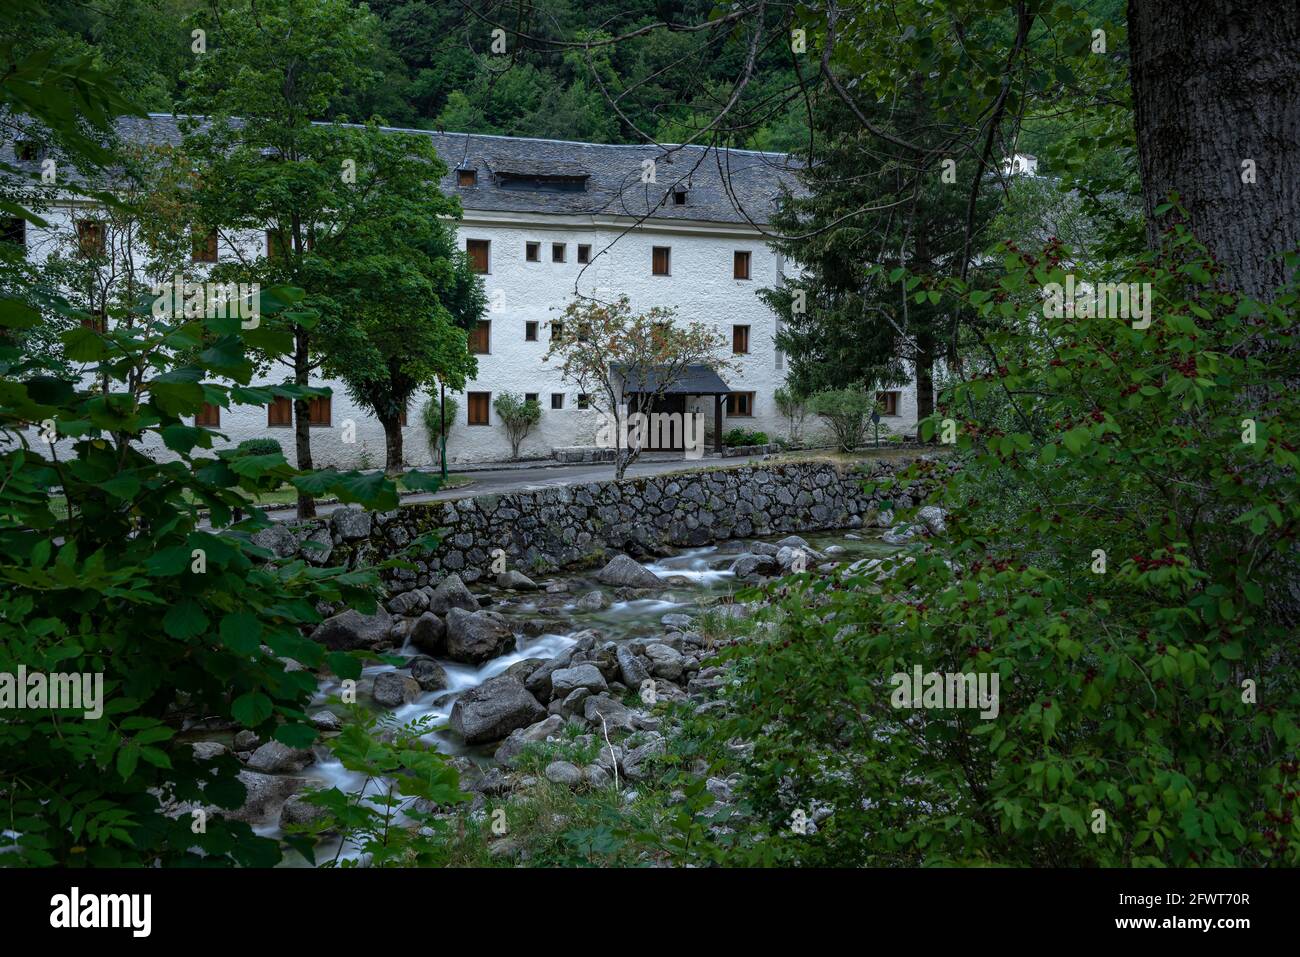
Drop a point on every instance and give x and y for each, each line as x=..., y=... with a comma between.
x=925, y=357
x=301, y=419
x=1217, y=83
x=392, y=444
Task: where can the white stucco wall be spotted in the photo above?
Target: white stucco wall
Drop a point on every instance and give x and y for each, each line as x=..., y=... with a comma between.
x=700, y=286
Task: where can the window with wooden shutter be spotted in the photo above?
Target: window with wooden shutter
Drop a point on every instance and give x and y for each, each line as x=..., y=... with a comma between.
x=466, y=177
x=280, y=412
x=740, y=339
x=90, y=237
x=661, y=259
x=740, y=405
x=557, y=329
x=740, y=265
x=13, y=229
x=478, y=407
x=480, y=337
x=318, y=410
x=584, y=253
x=205, y=246
x=477, y=251
x=888, y=402
x=209, y=415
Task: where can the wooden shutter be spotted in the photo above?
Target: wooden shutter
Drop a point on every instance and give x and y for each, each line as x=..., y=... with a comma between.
x=740, y=265
x=477, y=251
x=661, y=258
x=209, y=415
x=740, y=339
x=318, y=411
x=478, y=408
x=480, y=336
x=280, y=412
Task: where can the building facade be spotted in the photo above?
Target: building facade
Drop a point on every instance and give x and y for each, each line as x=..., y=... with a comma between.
x=546, y=222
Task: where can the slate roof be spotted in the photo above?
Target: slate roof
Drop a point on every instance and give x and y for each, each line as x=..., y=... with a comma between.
x=722, y=186
x=696, y=380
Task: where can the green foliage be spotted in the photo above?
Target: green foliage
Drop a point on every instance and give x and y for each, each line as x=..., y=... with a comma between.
x=740, y=437
x=1161, y=691
x=391, y=820
x=259, y=447
x=518, y=416
x=847, y=413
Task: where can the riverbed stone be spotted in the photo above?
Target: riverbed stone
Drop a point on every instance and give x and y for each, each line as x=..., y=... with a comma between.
x=665, y=662
x=430, y=675
x=749, y=566
x=351, y=630
x=628, y=572
x=564, y=773
x=275, y=757
x=474, y=637
x=407, y=603
x=616, y=715
x=492, y=710
x=630, y=667
x=429, y=634
x=518, y=739
x=392, y=689
x=264, y=795
x=326, y=721
x=516, y=581
x=565, y=680
x=592, y=601
x=451, y=593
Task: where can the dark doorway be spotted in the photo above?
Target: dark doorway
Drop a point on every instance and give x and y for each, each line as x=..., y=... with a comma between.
x=665, y=435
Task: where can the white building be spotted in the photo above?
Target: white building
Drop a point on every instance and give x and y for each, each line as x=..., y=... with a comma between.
x=545, y=221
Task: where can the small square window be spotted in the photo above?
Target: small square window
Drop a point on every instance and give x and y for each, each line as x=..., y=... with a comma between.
x=466, y=177
x=660, y=260
x=530, y=331
x=557, y=252
x=888, y=402
x=740, y=405
x=740, y=265
x=209, y=415
x=533, y=252
x=477, y=251
x=557, y=330
x=478, y=408
x=584, y=401
x=480, y=337
x=557, y=400
x=530, y=397
x=204, y=246
x=584, y=253
x=679, y=197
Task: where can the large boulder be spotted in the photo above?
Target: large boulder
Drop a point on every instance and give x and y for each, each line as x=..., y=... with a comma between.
x=264, y=795
x=451, y=593
x=474, y=637
x=749, y=566
x=516, y=581
x=616, y=716
x=274, y=757
x=565, y=680
x=351, y=630
x=428, y=674
x=934, y=518
x=407, y=602
x=629, y=573
x=564, y=773
x=393, y=689
x=665, y=662
x=429, y=634
x=539, y=682
x=901, y=534
x=494, y=709
x=514, y=745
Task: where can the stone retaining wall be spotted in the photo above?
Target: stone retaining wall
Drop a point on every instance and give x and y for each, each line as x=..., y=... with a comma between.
x=581, y=524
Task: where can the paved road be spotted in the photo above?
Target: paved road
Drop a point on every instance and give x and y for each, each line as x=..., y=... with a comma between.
x=542, y=475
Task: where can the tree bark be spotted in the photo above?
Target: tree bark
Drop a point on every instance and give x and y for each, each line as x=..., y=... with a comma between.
x=925, y=357
x=301, y=419
x=392, y=444
x=1217, y=83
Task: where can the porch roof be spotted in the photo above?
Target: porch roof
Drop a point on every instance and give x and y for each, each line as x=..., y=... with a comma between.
x=696, y=380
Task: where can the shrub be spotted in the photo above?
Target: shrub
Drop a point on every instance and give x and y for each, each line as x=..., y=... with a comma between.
x=433, y=414
x=259, y=447
x=738, y=438
x=518, y=416
x=848, y=414
x=1127, y=569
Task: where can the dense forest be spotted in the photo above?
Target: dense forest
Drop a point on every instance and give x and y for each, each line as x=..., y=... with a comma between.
x=433, y=66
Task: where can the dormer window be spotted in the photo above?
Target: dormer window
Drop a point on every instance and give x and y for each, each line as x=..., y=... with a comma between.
x=466, y=177
x=679, y=197
x=542, y=182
